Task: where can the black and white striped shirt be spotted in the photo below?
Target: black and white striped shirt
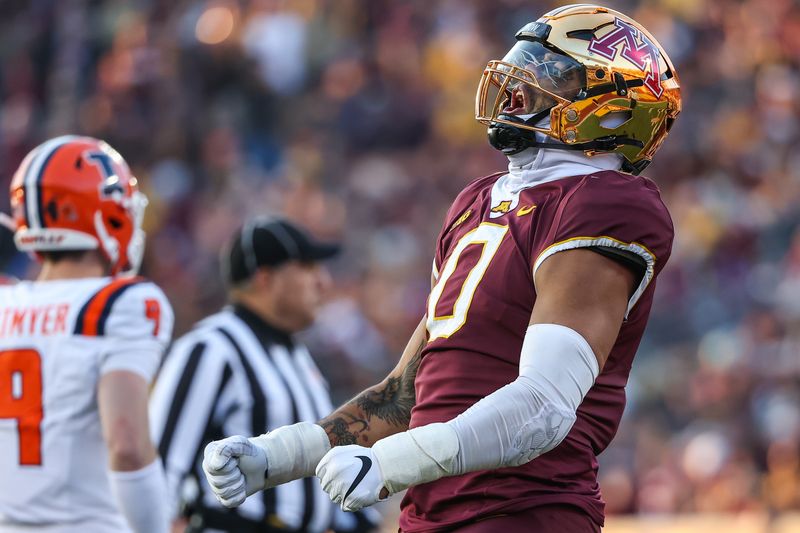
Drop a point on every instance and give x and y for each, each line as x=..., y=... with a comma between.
x=233, y=374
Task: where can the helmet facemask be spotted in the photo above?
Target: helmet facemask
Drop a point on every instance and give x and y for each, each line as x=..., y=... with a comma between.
x=128, y=261
x=522, y=89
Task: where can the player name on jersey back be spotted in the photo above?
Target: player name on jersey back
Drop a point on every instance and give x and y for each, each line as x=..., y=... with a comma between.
x=58, y=339
x=47, y=320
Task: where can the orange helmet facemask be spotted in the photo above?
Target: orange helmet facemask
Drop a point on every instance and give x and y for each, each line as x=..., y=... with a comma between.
x=77, y=193
x=589, y=78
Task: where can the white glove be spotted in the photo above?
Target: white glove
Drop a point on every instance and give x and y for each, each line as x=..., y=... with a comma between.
x=351, y=476
x=235, y=468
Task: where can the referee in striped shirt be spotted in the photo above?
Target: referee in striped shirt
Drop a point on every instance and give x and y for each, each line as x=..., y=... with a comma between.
x=240, y=372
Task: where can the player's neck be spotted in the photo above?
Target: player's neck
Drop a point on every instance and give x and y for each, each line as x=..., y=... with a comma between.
x=87, y=266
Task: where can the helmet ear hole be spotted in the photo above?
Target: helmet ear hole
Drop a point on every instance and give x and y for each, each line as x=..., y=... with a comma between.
x=115, y=222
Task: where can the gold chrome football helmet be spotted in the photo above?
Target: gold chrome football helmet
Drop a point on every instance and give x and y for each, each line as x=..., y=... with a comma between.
x=603, y=81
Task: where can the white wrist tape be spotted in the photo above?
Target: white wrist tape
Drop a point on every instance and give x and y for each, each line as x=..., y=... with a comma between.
x=416, y=456
x=511, y=426
x=142, y=497
x=292, y=452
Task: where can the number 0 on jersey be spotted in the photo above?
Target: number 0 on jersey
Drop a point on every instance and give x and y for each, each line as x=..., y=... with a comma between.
x=490, y=236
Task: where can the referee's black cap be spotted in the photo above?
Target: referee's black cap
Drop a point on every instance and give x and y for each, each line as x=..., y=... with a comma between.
x=270, y=242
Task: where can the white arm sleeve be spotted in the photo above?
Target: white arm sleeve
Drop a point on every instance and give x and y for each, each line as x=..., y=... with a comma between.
x=142, y=497
x=511, y=426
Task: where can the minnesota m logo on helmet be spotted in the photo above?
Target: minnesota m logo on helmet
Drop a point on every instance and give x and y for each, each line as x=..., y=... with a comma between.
x=582, y=77
x=644, y=55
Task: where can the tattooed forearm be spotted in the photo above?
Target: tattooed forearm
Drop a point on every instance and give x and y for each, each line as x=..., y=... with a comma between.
x=387, y=403
x=343, y=429
x=377, y=412
x=393, y=401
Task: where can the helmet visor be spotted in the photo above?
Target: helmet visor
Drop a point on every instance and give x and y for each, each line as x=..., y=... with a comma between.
x=530, y=79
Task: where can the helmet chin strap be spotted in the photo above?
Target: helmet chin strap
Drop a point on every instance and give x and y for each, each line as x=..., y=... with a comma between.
x=512, y=140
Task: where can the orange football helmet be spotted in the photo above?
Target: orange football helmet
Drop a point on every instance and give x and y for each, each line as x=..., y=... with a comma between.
x=586, y=76
x=77, y=193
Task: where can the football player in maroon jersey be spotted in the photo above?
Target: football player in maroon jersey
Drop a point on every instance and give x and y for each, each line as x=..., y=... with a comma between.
x=514, y=380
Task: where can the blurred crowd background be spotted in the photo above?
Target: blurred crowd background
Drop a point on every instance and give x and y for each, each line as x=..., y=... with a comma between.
x=356, y=118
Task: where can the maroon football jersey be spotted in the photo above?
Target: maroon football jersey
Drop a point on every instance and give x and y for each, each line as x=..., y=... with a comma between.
x=478, y=313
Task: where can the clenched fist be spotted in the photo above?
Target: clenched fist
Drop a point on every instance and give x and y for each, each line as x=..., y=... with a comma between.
x=352, y=477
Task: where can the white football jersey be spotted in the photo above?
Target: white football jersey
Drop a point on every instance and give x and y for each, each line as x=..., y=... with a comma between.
x=56, y=339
